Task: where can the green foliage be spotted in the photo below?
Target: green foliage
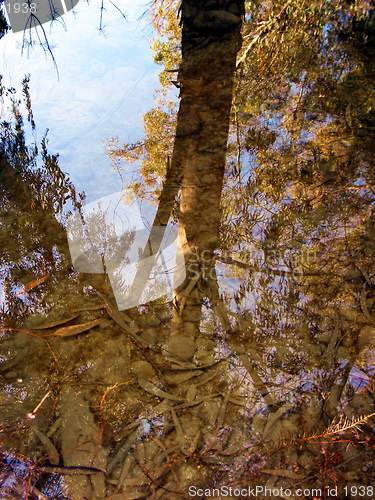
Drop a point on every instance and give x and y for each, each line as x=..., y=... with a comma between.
x=153, y=152
x=166, y=48
x=33, y=194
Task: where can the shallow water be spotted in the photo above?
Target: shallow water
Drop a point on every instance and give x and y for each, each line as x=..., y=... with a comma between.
x=102, y=403
x=229, y=354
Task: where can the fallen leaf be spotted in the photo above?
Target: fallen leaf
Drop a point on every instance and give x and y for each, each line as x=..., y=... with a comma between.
x=69, y=331
x=191, y=393
x=180, y=435
x=91, y=308
x=179, y=378
x=54, y=323
x=32, y=284
x=231, y=450
x=194, y=442
x=49, y=447
x=154, y=389
x=275, y=416
x=69, y=470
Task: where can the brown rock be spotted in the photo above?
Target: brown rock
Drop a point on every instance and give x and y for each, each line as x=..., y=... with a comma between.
x=182, y=347
x=143, y=369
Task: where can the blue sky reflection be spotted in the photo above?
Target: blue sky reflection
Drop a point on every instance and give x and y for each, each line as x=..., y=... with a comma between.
x=105, y=85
